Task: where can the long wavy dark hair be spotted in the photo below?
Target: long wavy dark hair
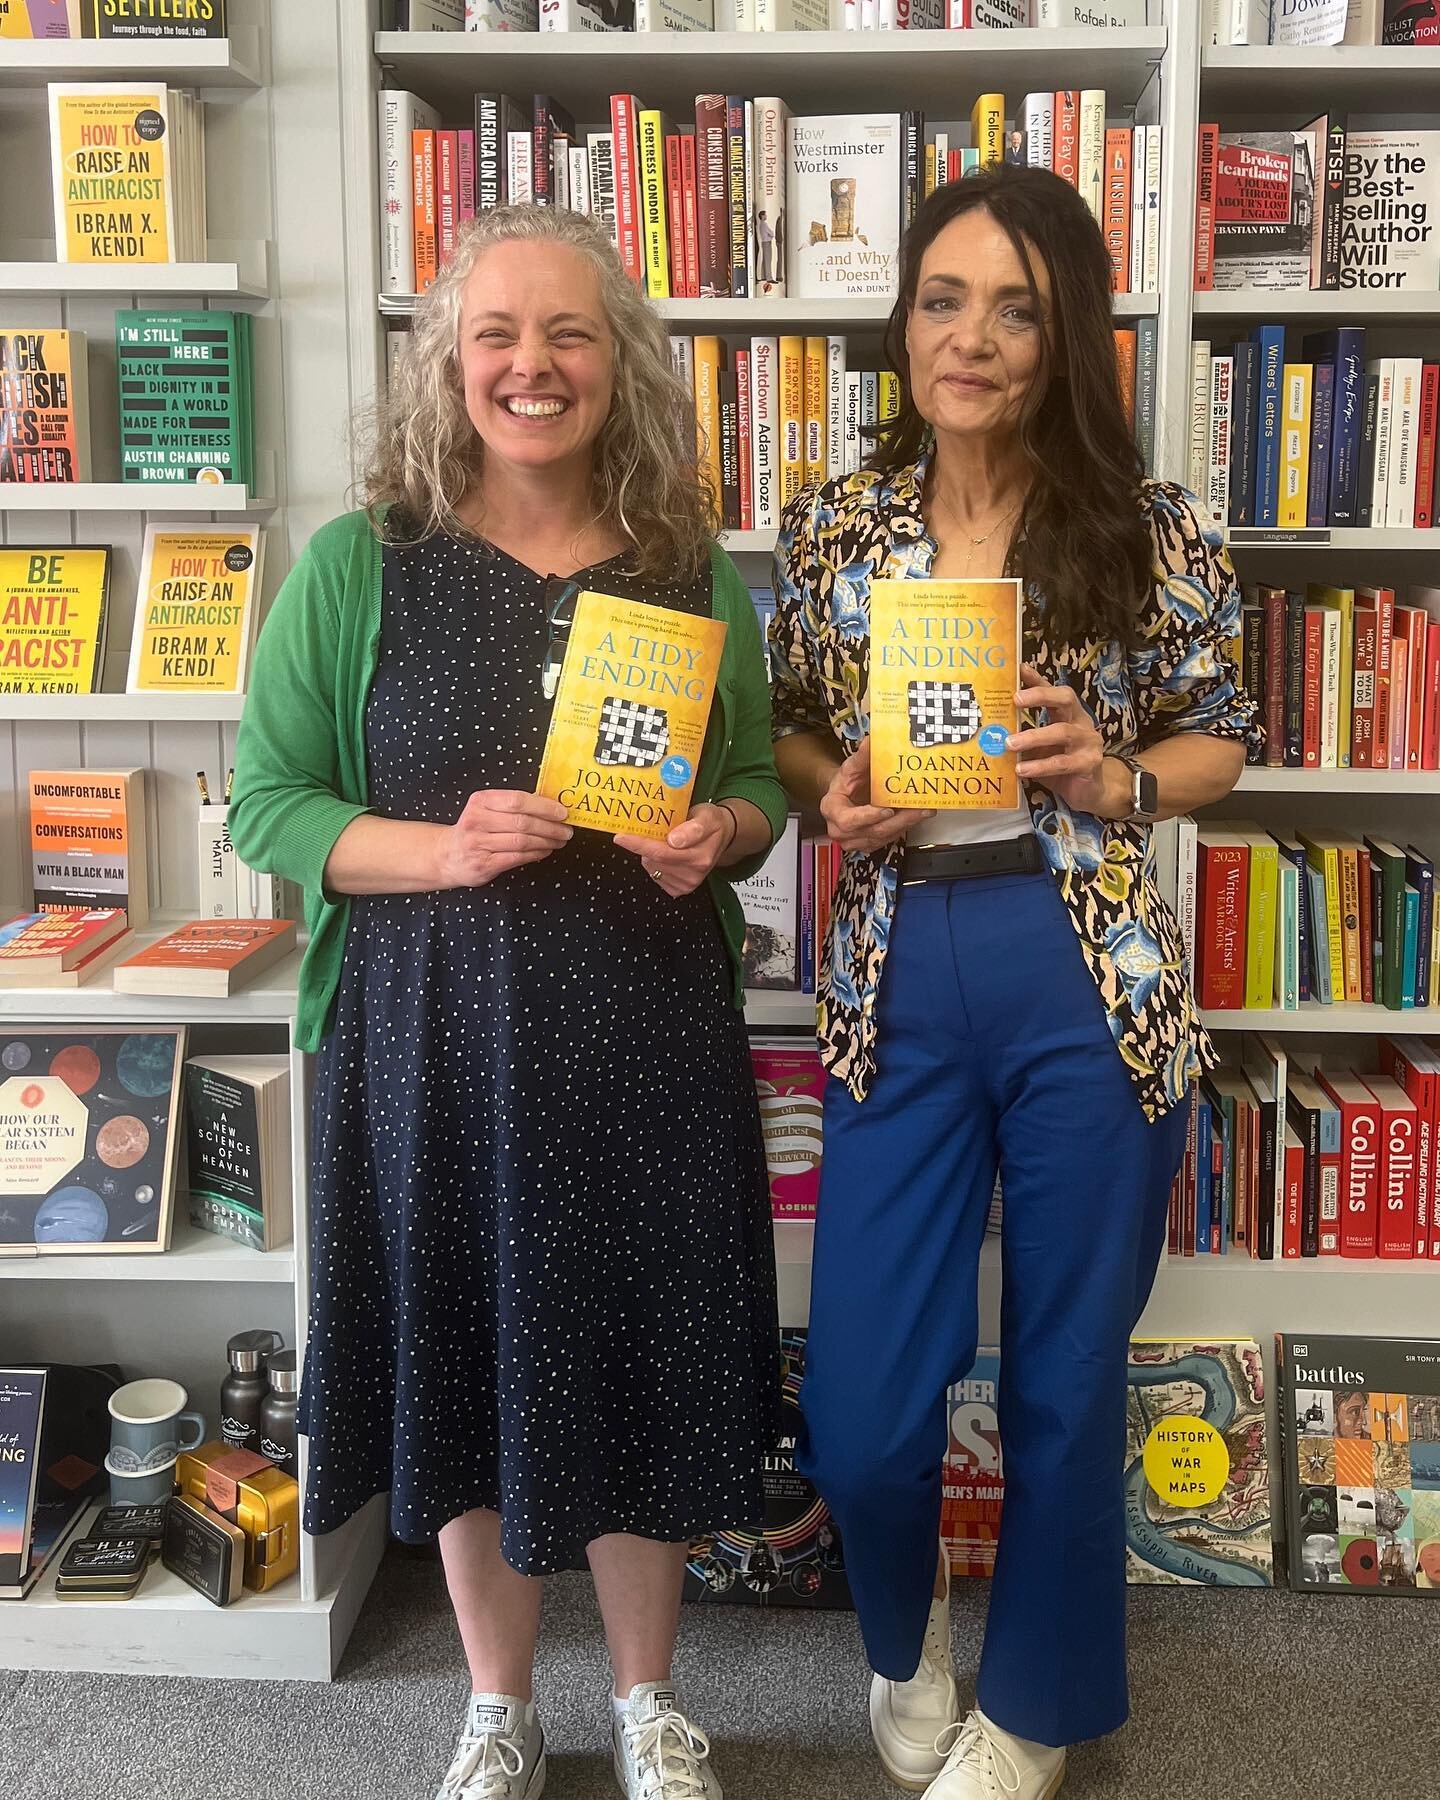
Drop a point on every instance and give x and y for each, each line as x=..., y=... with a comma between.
x=1081, y=537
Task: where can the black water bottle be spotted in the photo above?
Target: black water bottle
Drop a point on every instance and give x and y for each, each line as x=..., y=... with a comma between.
x=242, y=1393
x=277, y=1411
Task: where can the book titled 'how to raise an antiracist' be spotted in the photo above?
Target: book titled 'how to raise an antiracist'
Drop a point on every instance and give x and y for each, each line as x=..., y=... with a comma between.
x=630, y=715
x=944, y=669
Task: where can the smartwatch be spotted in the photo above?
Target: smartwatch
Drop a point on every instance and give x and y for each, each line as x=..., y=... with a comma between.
x=1144, y=792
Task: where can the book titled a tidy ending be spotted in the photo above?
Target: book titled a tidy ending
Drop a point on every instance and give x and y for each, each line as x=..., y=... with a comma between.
x=630, y=715
x=944, y=669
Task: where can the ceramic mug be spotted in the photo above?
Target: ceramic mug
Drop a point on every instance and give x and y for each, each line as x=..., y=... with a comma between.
x=146, y=1421
x=147, y=1487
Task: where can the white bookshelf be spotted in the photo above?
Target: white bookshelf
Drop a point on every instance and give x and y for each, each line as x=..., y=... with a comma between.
x=234, y=62
x=230, y=283
x=1341, y=307
x=130, y=497
x=814, y=70
x=276, y=176
x=135, y=709
x=1360, y=78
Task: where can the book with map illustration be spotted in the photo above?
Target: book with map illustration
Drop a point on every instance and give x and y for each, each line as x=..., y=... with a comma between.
x=944, y=669
x=630, y=713
x=1360, y=1436
x=1197, y=1477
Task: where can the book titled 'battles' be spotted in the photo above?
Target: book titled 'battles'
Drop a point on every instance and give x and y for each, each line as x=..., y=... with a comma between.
x=944, y=667
x=630, y=715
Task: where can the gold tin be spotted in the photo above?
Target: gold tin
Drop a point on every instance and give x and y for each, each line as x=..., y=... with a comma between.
x=261, y=1499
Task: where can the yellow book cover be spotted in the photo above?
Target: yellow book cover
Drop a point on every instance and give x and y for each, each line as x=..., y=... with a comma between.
x=194, y=610
x=1348, y=851
x=652, y=205
x=887, y=392
x=1295, y=445
x=1262, y=907
x=929, y=170
x=814, y=409
x=1324, y=854
x=630, y=714
x=792, y=418
x=709, y=359
x=53, y=603
x=987, y=128
x=110, y=160
x=1342, y=600
x=944, y=667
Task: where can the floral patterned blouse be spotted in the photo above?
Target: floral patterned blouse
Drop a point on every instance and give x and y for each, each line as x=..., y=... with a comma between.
x=834, y=540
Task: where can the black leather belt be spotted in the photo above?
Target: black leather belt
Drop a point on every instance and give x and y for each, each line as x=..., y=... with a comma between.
x=962, y=862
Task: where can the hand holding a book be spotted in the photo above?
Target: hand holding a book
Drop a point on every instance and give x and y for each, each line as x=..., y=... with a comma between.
x=853, y=822
x=500, y=829
x=686, y=857
x=1067, y=755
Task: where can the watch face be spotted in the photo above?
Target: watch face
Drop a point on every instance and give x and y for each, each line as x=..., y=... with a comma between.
x=1147, y=793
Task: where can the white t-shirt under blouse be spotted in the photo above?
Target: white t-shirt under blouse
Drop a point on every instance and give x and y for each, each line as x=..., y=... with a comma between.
x=972, y=825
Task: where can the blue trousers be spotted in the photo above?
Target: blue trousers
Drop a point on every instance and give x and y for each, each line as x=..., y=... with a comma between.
x=994, y=1048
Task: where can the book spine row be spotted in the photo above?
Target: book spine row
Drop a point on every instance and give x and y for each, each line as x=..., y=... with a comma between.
x=1328, y=438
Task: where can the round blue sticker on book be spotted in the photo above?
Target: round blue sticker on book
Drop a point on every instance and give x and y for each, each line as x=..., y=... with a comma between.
x=675, y=771
x=994, y=740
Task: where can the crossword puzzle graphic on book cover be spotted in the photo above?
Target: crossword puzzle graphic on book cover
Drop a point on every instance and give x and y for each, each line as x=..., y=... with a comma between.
x=1360, y=1419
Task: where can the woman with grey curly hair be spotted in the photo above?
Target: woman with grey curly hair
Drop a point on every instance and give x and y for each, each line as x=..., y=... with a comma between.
x=543, y=1290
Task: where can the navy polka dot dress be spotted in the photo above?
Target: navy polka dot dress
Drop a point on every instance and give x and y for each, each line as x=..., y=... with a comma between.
x=542, y=1267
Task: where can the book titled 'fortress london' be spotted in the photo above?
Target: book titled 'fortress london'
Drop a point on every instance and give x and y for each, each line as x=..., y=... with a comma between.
x=944, y=667
x=630, y=715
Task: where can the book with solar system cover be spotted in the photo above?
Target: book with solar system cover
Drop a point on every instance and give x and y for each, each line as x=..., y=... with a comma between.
x=89, y=1123
x=793, y=1557
x=630, y=715
x=944, y=668
x=1360, y=1429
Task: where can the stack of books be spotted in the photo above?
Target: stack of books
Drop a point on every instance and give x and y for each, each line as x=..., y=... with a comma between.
x=61, y=949
x=127, y=160
x=1290, y=1156
x=1328, y=437
x=1275, y=919
x=1349, y=676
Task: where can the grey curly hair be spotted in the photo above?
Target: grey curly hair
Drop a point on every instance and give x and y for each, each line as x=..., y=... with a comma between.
x=423, y=453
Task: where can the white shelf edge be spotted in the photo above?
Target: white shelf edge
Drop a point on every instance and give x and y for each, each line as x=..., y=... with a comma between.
x=1333, y=58
x=1252, y=303
x=1119, y=45
x=202, y=62
x=1338, y=781
x=1344, y=1016
x=220, y=280
x=150, y=709
x=128, y=496
x=782, y=311
x=193, y=1256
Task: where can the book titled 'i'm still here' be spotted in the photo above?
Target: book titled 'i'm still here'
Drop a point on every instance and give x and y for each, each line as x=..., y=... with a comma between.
x=944, y=668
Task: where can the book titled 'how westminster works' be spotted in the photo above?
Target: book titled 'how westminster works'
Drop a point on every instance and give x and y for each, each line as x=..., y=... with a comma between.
x=630, y=715
x=944, y=667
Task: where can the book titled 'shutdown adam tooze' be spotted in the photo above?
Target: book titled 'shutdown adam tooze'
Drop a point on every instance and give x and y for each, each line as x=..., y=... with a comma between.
x=630, y=715
x=944, y=667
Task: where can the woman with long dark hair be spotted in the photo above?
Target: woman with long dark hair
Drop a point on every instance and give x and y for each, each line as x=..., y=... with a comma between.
x=1002, y=987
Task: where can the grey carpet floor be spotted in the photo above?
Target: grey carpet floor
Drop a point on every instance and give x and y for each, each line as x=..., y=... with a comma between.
x=1235, y=1697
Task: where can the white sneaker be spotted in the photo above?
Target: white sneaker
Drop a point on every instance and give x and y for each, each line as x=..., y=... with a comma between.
x=659, y=1754
x=906, y=1717
x=986, y=1763
x=501, y=1753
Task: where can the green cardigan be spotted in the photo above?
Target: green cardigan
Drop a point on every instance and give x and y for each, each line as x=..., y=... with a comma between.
x=300, y=772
